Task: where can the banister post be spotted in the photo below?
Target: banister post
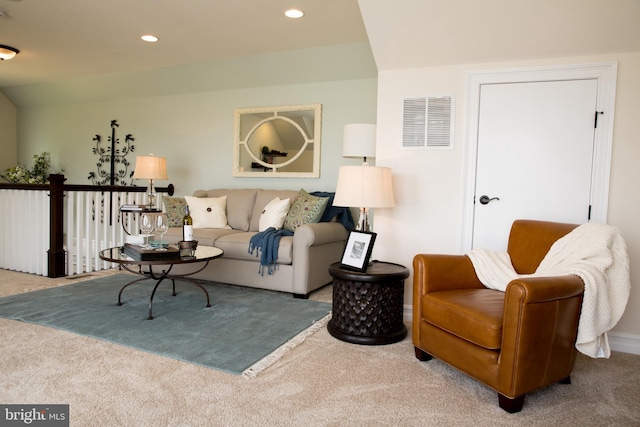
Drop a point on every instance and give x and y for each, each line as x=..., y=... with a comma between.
x=56, y=252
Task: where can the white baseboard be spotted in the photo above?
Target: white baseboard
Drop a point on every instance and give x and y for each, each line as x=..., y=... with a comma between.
x=407, y=313
x=624, y=343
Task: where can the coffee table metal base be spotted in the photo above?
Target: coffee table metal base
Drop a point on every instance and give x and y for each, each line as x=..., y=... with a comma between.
x=163, y=269
x=150, y=275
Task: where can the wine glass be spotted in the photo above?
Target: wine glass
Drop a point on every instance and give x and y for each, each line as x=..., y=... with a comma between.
x=146, y=227
x=162, y=225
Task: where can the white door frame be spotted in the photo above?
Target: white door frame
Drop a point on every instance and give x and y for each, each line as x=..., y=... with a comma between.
x=605, y=73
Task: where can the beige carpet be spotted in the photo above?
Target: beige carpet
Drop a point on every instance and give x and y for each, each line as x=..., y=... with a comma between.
x=323, y=382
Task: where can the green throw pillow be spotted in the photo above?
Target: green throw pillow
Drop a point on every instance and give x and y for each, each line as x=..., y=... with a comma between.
x=174, y=208
x=305, y=209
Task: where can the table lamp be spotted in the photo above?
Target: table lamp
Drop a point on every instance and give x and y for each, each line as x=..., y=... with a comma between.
x=363, y=186
x=152, y=168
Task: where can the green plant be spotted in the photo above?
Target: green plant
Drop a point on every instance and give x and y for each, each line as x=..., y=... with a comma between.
x=39, y=174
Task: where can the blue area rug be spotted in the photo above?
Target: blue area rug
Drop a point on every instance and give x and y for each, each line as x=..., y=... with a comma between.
x=242, y=326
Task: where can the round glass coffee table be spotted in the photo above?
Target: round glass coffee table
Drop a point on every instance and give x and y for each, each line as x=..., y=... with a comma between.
x=160, y=269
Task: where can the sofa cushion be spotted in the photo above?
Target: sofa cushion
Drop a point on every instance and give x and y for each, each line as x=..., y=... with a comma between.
x=208, y=212
x=239, y=204
x=236, y=246
x=262, y=199
x=274, y=214
x=204, y=236
x=305, y=209
x=471, y=314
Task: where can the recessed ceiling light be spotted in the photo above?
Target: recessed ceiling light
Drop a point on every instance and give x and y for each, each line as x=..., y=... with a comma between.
x=149, y=38
x=294, y=13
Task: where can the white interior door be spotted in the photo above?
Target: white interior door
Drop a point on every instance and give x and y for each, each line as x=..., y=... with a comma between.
x=534, y=155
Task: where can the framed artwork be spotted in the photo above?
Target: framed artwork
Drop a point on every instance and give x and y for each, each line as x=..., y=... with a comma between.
x=358, y=250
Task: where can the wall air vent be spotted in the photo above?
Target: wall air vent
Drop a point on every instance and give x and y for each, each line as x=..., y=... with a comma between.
x=427, y=122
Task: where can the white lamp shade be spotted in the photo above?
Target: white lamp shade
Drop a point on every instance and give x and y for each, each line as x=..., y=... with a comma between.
x=359, y=140
x=150, y=167
x=364, y=187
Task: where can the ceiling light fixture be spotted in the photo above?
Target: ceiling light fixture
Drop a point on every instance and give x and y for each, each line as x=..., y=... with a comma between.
x=7, y=52
x=149, y=38
x=294, y=13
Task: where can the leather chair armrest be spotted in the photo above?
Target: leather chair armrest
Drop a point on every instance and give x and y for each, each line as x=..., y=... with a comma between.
x=434, y=272
x=534, y=290
x=540, y=326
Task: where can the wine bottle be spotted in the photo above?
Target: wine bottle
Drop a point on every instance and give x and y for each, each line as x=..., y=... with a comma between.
x=187, y=226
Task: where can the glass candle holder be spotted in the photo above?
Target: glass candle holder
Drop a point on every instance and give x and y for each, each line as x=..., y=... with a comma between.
x=188, y=249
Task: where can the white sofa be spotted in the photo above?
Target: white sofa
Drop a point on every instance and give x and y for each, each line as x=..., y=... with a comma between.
x=303, y=259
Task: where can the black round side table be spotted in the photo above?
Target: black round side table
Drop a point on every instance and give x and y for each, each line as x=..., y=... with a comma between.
x=367, y=307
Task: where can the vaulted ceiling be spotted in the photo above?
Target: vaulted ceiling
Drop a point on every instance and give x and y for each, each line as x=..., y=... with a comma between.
x=68, y=39
x=421, y=33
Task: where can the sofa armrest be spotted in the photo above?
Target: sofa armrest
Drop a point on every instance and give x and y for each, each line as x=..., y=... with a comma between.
x=318, y=234
x=315, y=247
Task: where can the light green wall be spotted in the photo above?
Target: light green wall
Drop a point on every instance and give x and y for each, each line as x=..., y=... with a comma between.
x=8, y=134
x=186, y=114
x=193, y=131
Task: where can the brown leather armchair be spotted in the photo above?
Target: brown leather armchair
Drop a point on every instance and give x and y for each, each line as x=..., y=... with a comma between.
x=516, y=341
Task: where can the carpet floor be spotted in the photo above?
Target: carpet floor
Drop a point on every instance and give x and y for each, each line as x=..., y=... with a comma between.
x=324, y=382
x=241, y=327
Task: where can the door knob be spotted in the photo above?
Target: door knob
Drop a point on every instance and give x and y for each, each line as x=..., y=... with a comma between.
x=485, y=199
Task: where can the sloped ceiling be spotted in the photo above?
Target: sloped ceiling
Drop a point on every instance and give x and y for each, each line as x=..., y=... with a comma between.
x=74, y=39
x=424, y=33
x=62, y=40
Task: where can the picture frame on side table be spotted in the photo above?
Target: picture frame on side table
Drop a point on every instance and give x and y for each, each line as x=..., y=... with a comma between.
x=357, y=251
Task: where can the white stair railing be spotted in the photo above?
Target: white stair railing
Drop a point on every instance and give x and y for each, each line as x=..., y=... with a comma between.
x=92, y=222
x=24, y=230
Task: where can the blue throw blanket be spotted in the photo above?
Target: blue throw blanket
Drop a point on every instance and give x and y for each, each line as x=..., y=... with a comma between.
x=343, y=215
x=266, y=244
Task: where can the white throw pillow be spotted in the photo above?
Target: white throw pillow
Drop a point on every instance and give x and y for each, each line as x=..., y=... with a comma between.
x=208, y=212
x=274, y=214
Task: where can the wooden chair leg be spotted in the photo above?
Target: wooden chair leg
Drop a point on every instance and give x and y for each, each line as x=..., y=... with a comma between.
x=422, y=355
x=511, y=405
x=566, y=380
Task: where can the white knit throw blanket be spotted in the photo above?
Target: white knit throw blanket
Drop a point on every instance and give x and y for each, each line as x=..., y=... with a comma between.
x=594, y=252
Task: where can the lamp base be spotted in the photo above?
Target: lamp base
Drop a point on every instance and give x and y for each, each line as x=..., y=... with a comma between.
x=363, y=221
x=151, y=196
